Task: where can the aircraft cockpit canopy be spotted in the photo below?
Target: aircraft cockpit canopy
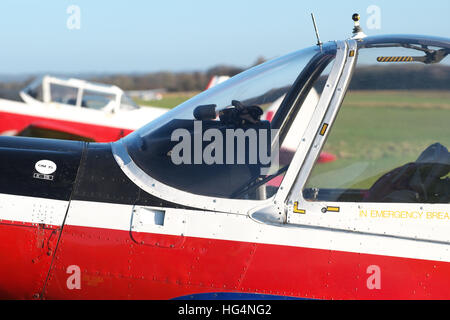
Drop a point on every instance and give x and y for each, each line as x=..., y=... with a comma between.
x=388, y=116
x=218, y=144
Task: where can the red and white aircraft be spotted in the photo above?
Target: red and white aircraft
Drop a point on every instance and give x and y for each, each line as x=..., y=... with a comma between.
x=129, y=220
x=73, y=109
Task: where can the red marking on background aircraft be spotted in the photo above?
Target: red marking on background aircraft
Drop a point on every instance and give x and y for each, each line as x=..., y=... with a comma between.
x=77, y=108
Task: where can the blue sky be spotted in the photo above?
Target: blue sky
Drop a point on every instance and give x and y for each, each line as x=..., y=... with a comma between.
x=176, y=35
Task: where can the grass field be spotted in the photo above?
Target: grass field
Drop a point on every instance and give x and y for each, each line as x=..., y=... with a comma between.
x=403, y=99
x=169, y=101
x=375, y=132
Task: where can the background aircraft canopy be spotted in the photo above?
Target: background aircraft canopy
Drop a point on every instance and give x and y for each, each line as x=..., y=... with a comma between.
x=77, y=92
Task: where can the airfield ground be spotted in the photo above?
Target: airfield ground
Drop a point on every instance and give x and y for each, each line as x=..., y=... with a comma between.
x=169, y=100
x=376, y=132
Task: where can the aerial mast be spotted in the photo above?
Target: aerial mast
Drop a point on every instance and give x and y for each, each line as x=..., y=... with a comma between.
x=319, y=43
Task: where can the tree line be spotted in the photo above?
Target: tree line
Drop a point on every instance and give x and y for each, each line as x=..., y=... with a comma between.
x=388, y=77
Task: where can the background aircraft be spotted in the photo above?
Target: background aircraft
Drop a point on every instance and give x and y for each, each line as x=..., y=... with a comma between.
x=73, y=109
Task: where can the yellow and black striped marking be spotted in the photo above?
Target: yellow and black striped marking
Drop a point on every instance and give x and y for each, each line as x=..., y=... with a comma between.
x=297, y=210
x=394, y=59
x=324, y=129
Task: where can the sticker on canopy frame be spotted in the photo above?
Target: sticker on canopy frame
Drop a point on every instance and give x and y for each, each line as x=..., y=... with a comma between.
x=45, y=167
x=43, y=176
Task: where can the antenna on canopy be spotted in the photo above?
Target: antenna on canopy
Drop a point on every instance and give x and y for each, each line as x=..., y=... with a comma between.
x=319, y=43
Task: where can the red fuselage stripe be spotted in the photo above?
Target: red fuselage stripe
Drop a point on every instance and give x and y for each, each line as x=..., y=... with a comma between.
x=99, y=133
x=122, y=265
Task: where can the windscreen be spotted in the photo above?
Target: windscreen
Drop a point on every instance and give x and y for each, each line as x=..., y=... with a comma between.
x=221, y=141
